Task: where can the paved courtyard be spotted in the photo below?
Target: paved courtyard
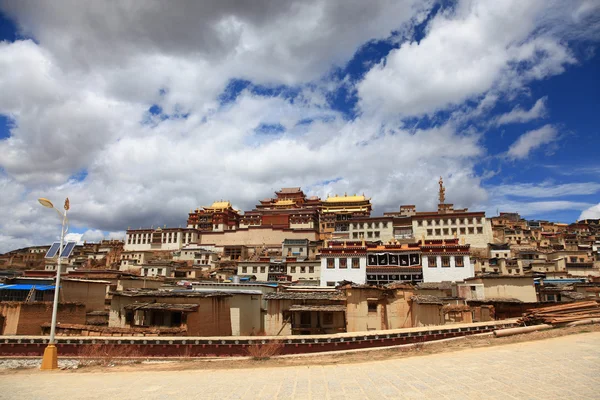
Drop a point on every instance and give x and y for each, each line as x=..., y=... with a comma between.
x=566, y=367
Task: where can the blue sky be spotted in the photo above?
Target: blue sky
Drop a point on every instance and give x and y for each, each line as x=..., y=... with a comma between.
x=138, y=124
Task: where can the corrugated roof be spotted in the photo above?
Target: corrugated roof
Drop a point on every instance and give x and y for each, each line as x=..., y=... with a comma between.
x=435, y=285
x=26, y=287
x=305, y=296
x=162, y=306
x=327, y=308
x=426, y=299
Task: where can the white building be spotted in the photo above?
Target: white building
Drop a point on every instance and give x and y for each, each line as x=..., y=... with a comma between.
x=162, y=269
x=134, y=259
x=289, y=269
x=343, y=261
x=446, y=260
x=159, y=239
x=204, y=256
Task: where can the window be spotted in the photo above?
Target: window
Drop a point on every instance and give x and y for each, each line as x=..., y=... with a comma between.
x=302, y=270
x=305, y=318
x=445, y=262
x=438, y=232
x=369, y=234
x=293, y=270
x=254, y=270
x=445, y=231
x=432, y=262
x=429, y=232
x=159, y=271
x=463, y=231
x=311, y=270
x=479, y=229
x=263, y=269
x=330, y=263
x=328, y=318
x=376, y=234
x=372, y=306
x=385, y=224
x=343, y=263
x=459, y=262
x=573, y=259
x=355, y=263
x=420, y=223
x=471, y=230
x=301, y=249
x=244, y=270
x=354, y=235
x=330, y=284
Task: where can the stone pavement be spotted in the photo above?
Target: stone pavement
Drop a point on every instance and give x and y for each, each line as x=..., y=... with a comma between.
x=566, y=367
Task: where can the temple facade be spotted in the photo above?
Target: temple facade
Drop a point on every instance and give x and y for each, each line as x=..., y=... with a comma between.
x=218, y=217
x=394, y=262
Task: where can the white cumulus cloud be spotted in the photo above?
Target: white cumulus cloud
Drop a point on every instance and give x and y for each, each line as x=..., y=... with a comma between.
x=532, y=140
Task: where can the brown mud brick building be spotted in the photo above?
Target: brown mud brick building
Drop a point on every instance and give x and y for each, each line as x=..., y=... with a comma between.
x=21, y=318
x=377, y=307
x=199, y=312
x=313, y=312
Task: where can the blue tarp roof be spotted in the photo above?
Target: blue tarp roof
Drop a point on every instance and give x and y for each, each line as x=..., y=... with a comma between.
x=26, y=287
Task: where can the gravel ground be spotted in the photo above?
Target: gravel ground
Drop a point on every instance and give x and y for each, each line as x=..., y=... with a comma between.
x=13, y=363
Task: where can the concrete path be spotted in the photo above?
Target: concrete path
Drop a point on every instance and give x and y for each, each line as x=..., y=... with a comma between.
x=567, y=368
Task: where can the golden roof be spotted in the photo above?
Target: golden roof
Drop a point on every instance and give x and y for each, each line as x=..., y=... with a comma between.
x=345, y=199
x=219, y=205
x=285, y=202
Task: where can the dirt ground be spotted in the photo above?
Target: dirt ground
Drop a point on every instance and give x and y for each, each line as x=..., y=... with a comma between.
x=467, y=342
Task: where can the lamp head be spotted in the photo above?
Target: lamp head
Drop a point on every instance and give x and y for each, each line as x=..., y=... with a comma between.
x=45, y=202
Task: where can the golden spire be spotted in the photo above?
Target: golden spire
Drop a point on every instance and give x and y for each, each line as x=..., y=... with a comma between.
x=442, y=191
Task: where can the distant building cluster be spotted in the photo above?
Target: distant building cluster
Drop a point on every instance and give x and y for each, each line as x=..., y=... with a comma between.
x=298, y=264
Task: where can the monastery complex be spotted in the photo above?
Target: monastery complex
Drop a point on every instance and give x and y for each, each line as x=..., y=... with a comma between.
x=298, y=264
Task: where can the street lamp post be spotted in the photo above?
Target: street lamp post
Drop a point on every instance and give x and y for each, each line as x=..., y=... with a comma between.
x=50, y=359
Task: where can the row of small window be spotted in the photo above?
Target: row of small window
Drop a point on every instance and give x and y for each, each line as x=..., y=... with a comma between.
x=311, y=270
x=458, y=262
x=167, y=238
x=369, y=225
x=453, y=231
x=343, y=263
x=450, y=221
x=361, y=235
x=159, y=271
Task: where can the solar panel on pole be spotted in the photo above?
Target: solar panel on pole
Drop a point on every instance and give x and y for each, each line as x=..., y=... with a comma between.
x=68, y=249
x=51, y=253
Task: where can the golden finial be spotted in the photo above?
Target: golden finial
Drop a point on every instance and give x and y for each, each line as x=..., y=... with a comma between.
x=442, y=191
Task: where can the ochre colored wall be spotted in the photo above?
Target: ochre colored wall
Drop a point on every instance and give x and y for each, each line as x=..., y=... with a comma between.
x=392, y=311
x=10, y=312
x=211, y=319
x=93, y=295
x=427, y=314
x=27, y=318
x=254, y=237
x=274, y=317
